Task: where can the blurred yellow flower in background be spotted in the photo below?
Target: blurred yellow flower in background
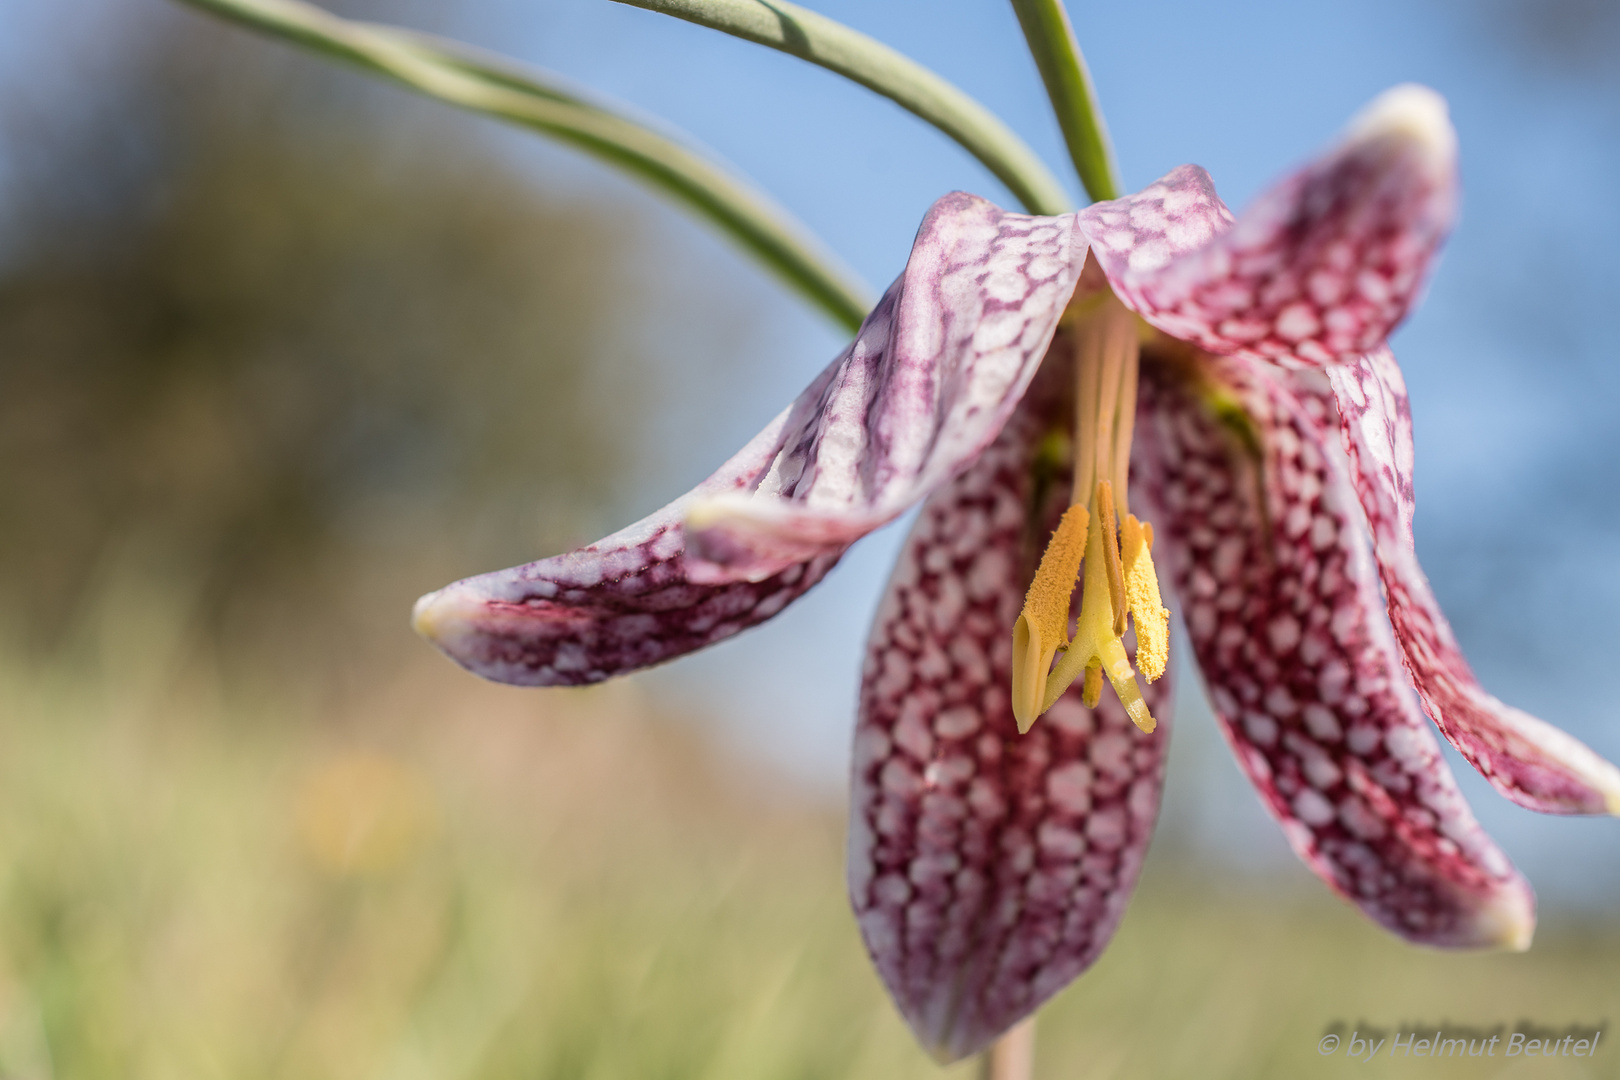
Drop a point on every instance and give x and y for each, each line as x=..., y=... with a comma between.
x=362, y=814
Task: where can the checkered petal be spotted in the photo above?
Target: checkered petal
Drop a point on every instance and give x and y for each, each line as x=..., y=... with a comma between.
x=1267, y=548
x=1528, y=760
x=1319, y=269
x=928, y=384
x=987, y=869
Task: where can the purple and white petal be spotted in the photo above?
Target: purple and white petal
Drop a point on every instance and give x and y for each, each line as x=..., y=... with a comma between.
x=1323, y=266
x=986, y=869
x=1264, y=540
x=929, y=381
x=1136, y=238
x=1528, y=760
x=935, y=372
x=624, y=602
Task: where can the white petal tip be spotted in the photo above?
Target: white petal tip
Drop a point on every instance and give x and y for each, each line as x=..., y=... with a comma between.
x=707, y=513
x=1605, y=779
x=444, y=615
x=749, y=537
x=422, y=618
x=1412, y=112
x=1508, y=921
x=729, y=538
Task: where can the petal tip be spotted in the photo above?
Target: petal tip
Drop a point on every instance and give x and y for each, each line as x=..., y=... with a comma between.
x=1414, y=114
x=1605, y=781
x=706, y=513
x=444, y=615
x=1508, y=920
x=423, y=615
x=728, y=539
x=748, y=537
x=1602, y=780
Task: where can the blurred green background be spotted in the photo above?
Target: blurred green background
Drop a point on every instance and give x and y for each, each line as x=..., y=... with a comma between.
x=280, y=351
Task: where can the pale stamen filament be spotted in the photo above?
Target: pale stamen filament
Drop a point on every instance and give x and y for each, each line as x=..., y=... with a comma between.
x=1090, y=341
x=1117, y=337
x=1125, y=428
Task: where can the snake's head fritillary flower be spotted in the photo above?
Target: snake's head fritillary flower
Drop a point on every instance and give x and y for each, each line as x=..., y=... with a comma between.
x=1085, y=401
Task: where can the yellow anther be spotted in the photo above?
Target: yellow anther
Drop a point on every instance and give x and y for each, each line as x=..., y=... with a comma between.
x=1091, y=688
x=1046, y=604
x=1120, y=583
x=1043, y=628
x=1096, y=648
x=1142, y=593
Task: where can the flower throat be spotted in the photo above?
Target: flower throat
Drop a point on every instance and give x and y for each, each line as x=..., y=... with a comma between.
x=1099, y=532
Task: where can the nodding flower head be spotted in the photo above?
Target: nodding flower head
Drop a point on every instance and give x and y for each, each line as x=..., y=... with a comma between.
x=1083, y=403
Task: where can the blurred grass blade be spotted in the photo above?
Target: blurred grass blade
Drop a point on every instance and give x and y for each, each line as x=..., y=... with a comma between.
x=820, y=40
x=1068, y=83
x=537, y=100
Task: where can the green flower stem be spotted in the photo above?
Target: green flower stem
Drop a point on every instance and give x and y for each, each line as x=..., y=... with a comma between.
x=534, y=99
x=1068, y=83
x=820, y=40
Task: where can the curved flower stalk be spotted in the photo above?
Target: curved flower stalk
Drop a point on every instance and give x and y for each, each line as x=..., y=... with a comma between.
x=543, y=102
x=1038, y=383
x=1063, y=69
x=809, y=36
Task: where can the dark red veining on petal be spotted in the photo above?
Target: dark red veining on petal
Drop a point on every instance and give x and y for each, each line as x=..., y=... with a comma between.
x=1287, y=624
x=551, y=634
x=986, y=869
x=1531, y=762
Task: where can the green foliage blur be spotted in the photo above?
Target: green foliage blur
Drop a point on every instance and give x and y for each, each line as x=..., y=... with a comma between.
x=276, y=336
x=448, y=879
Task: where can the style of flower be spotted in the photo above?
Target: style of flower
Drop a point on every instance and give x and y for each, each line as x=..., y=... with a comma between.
x=1035, y=377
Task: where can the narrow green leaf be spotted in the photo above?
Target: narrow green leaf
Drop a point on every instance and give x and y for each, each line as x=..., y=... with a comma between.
x=832, y=45
x=1068, y=83
x=542, y=102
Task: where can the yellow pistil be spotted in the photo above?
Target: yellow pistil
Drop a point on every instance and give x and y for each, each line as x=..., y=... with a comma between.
x=1110, y=549
x=1097, y=533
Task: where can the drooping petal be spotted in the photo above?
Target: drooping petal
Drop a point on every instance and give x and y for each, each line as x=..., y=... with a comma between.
x=1265, y=542
x=928, y=384
x=622, y=603
x=1528, y=760
x=930, y=379
x=986, y=869
x=1319, y=269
